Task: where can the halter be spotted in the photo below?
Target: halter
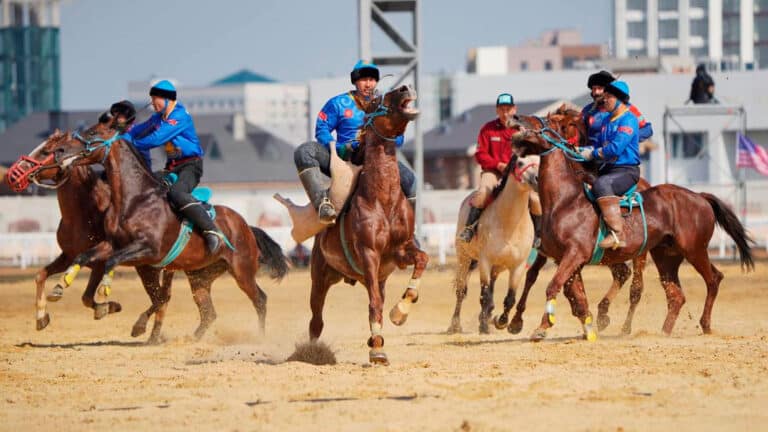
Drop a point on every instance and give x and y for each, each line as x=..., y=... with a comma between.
x=381, y=110
x=97, y=143
x=19, y=176
x=558, y=144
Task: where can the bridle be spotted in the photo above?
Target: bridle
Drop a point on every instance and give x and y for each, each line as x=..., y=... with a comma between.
x=558, y=142
x=96, y=143
x=381, y=110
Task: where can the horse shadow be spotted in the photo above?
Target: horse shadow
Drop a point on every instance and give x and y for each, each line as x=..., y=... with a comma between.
x=76, y=345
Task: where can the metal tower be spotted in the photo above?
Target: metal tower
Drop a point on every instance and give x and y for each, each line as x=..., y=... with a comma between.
x=29, y=58
x=408, y=59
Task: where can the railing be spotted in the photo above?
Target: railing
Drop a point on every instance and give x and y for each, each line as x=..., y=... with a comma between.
x=38, y=249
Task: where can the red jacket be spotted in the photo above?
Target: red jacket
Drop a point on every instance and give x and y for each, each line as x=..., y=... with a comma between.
x=494, y=145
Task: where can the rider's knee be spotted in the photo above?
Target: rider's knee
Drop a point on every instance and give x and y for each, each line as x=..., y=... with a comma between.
x=305, y=155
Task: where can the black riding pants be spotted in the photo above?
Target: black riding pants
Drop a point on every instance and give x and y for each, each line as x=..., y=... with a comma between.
x=189, y=176
x=313, y=154
x=615, y=180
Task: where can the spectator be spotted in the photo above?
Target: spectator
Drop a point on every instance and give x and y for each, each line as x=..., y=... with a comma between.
x=702, y=87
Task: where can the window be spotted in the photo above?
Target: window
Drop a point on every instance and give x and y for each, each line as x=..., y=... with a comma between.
x=636, y=5
x=687, y=145
x=731, y=29
x=761, y=28
x=700, y=27
x=700, y=4
x=668, y=29
x=761, y=57
x=636, y=30
x=547, y=65
x=668, y=5
x=731, y=6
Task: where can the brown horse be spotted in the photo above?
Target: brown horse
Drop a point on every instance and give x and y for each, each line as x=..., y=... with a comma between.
x=680, y=224
x=375, y=234
x=141, y=225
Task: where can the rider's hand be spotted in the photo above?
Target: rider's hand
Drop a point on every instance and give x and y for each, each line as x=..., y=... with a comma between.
x=588, y=152
x=501, y=166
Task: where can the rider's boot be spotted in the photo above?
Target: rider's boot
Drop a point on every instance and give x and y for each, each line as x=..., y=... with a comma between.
x=202, y=220
x=536, y=230
x=412, y=202
x=313, y=181
x=609, y=206
x=469, y=229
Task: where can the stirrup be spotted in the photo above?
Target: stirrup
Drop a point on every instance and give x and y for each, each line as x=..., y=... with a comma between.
x=326, y=212
x=468, y=232
x=219, y=238
x=616, y=242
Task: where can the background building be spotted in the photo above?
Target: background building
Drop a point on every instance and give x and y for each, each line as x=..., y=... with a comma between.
x=727, y=34
x=29, y=58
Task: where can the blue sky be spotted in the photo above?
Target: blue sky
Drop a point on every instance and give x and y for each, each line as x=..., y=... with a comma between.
x=105, y=44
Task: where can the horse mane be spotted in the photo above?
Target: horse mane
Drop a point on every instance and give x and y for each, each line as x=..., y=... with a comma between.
x=504, y=176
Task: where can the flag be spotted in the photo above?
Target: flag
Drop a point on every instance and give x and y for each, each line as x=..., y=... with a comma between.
x=751, y=155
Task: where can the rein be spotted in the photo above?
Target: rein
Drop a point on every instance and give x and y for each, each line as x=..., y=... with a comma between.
x=97, y=143
x=559, y=143
x=381, y=110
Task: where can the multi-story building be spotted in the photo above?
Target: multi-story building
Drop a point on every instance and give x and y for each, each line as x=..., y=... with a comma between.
x=727, y=34
x=280, y=108
x=554, y=50
x=29, y=58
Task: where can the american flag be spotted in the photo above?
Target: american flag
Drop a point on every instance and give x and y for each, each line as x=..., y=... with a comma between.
x=751, y=155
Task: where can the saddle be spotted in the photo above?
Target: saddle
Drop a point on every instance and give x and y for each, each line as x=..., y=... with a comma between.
x=629, y=200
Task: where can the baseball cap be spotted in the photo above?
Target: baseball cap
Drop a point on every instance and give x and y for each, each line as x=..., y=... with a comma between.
x=505, y=99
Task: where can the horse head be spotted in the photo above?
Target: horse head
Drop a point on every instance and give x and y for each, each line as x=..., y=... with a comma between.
x=388, y=115
x=41, y=166
x=86, y=147
x=562, y=130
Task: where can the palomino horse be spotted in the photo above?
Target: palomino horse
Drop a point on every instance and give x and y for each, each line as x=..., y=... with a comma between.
x=680, y=224
x=503, y=240
x=141, y=225
x=374, y=234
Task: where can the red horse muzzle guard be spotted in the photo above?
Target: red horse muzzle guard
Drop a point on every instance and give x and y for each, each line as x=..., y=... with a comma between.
x=19, y=173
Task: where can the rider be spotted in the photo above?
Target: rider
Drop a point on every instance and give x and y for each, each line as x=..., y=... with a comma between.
x=619, y=152
x=171, y=126
x=594, y=113
x=494, y=150
x=123, y=113
x=344, y=114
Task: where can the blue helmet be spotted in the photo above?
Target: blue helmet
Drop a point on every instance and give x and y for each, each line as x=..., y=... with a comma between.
x=364, y=69
x=620, y=89
x=163, y=89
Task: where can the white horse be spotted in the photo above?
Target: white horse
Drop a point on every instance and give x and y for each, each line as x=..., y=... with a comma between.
x=503, y=241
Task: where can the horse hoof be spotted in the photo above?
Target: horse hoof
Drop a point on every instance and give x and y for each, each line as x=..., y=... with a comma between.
x=56, y=294
x=115, y=307
x=454, y=329
x=138, y=330
x=539, y=335
x=515, y=327
x=43, y=322
x=626, y=330
x=397, y=317
x=499, y=322
x=590, y=335
x=483, y=328
x=155, y=340
x=377, y=357
x=100, y=310
x=602, y=322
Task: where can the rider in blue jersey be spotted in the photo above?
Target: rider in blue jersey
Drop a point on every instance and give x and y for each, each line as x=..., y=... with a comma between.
x=171, y=126
x=344, y=115
x=618, y=151
x=594, y=113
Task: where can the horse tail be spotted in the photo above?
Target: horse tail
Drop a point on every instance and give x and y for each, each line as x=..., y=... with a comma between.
x=728, y=221
x=271, y=254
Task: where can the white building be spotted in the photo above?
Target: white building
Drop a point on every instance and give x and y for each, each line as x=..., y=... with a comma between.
x=280, y=108
x=728, y=34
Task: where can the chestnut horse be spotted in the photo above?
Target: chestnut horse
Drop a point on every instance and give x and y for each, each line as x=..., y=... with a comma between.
x=140, y=224
x=375, y=232
x=680, y=224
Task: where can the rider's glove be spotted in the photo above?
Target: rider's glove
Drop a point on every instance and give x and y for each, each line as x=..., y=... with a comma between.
x=588, y=152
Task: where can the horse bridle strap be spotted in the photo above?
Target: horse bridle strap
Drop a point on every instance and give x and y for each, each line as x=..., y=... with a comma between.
x=560, y=143
x=381, y=110
x=97, y=143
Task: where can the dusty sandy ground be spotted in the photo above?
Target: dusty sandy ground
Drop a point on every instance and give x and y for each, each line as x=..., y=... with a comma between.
x=80, y=374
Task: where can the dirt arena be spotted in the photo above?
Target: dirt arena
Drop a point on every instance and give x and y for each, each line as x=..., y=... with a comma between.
x=80, y=374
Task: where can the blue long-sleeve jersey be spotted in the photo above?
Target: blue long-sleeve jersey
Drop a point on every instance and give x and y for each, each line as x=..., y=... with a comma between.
x=176, y=132
x=595, y=117
x=341, y=114
x=619, y=138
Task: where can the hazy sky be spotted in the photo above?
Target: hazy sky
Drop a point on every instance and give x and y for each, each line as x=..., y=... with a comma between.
x=106, y=43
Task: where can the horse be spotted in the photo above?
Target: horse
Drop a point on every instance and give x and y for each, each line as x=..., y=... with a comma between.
x=140, y=224
x=503, y=241
x=469, y=253
x=375, y=231
x=680, y=224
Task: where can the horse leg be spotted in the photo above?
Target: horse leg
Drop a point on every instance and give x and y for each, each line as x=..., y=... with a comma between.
x=133, y=252
x=574, y=291
x=58, y=265
x=419, y=259
x=635, y=291
x=712, y=277
x=515, y=281
x=243, y=269
x=620, y=273
x=487, y=283
x=97, y=272
x=516, y=325
x=668, y=262
x=41, y=314
x=370, y=263
x=200, y=282
x=569, y=264
x=460, y=284
x=323, y=276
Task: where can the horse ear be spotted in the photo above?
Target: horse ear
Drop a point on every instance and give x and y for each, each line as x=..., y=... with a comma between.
x=56, y=132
